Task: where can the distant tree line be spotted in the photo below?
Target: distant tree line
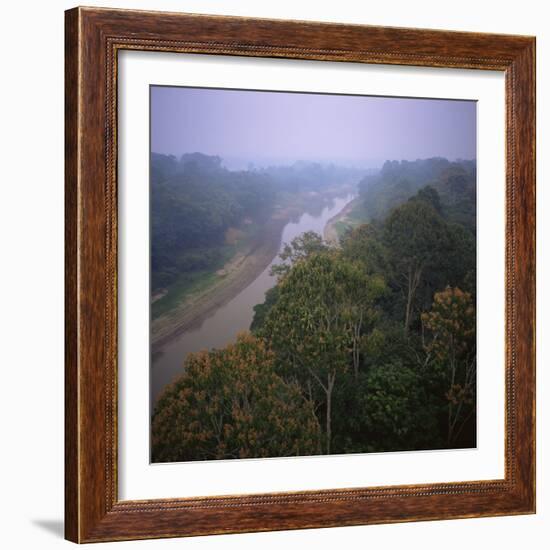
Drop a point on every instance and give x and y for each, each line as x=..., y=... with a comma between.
x=397, y=181
x=310, y=176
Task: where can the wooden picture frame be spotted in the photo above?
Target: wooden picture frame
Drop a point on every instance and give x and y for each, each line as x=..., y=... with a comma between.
x=93, y=511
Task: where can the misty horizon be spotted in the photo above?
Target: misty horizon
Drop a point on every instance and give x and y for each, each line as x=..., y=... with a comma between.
x=265, y=128
x=241, y=163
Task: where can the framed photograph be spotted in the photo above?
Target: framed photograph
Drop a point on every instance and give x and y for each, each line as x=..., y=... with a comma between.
x=300, y=275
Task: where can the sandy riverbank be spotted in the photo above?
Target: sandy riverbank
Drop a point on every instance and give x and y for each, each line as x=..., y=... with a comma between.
x=330, y=234
x=239, y=272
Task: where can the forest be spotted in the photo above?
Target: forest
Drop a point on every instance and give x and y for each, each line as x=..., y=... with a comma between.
x=194, y=200
x=368, y=346
x=200, y=210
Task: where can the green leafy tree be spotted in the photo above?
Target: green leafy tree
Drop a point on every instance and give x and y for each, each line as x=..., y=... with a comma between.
x=316, y=326
x=364, y=244
x=395, y=411
x=393, y=405
x=417, y=239
x=230, y=403
x=261, y=310
x=431, y=196
x=298, y=249
x=458, y=263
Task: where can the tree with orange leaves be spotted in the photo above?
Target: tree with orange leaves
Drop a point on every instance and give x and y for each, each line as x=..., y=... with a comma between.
x=452, y=350
x=230, y=403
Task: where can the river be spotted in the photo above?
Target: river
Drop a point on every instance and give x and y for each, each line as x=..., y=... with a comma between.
x=222, y=326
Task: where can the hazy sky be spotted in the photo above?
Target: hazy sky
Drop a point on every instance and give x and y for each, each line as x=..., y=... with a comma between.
x=266, y=126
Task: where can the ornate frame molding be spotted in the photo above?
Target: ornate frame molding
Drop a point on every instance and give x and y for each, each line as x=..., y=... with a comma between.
x=93, y=38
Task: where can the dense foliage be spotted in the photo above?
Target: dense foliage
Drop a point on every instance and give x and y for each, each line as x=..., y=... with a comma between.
x=316, y=327
x=231, y=403
x=454, y=183
x=369, y=346
x=194, y=202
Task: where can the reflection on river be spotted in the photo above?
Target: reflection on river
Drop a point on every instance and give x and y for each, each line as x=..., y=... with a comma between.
x=225, y=323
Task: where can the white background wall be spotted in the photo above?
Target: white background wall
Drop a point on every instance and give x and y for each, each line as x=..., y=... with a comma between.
x=31, y=272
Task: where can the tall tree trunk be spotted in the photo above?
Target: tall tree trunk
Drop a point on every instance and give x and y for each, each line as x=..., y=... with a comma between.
x=413, y=280
x=356, y=347
x=408, y=312
x=330, y=386
x=450, y=415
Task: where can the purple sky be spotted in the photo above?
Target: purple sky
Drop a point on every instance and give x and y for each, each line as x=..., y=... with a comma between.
x=268, y=127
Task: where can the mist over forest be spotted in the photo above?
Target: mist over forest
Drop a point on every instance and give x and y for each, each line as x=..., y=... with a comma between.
x=362, y=343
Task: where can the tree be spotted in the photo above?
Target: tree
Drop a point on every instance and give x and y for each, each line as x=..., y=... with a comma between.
x=431, y=196
x=417, y=239
x=395, y=410
x=452, y=348
x=316, y=325
x=299, y=248
x=363, y=244
x=230, y=403
x=261, y=310
x=459, y=259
